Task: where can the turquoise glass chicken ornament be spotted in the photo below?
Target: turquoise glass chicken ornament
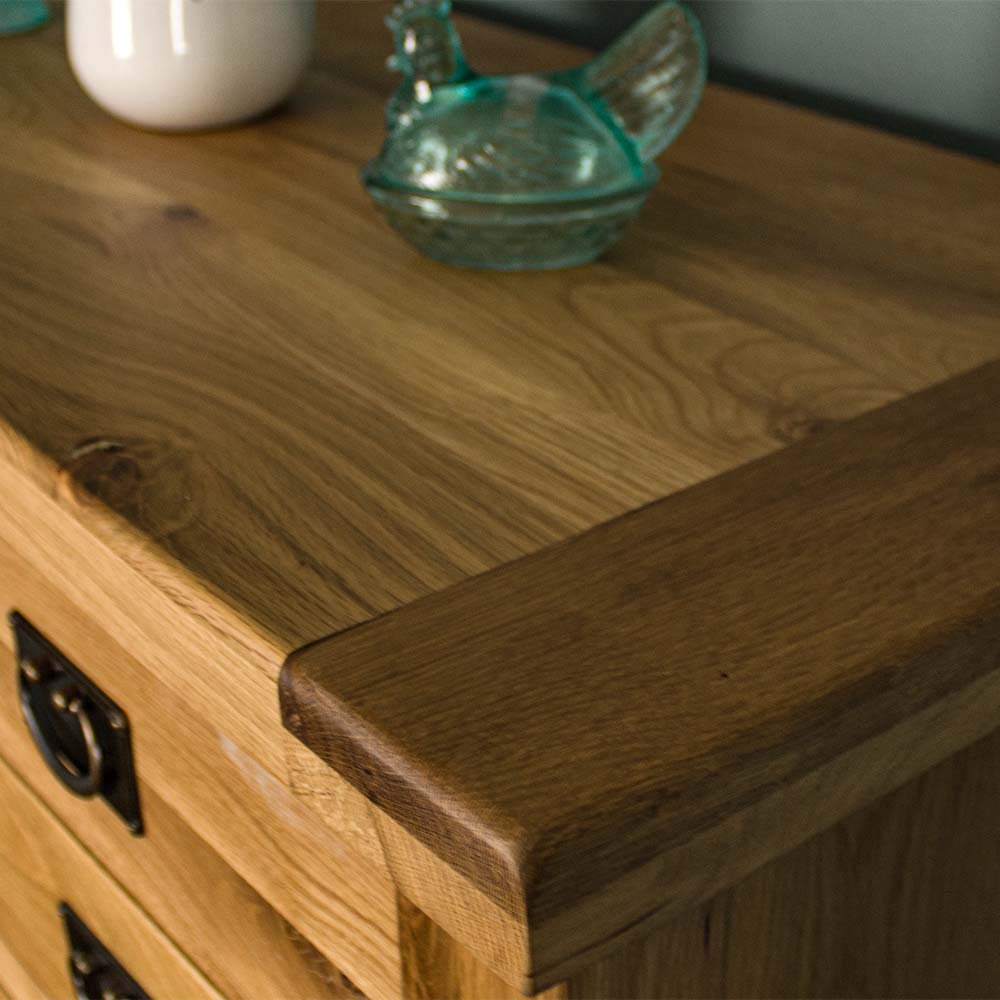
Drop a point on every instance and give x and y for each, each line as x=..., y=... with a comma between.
x=22, y=15
x=530, y=170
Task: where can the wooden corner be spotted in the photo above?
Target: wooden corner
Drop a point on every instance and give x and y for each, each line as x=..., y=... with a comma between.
x=598, y=734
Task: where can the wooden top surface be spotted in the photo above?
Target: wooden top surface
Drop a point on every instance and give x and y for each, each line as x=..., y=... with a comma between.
x=219, y=337
x=217, y=358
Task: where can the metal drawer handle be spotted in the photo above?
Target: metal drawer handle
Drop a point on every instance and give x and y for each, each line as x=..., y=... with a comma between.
x=93, y=971
x=64, y=697
x=82, y=735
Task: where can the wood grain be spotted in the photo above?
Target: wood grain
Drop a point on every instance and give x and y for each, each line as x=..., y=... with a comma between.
x=42, y=865
x=283, y=445
x=221, y=923
x=15, y=983
x=563, y=729
x=238, y=416
x=457, y=905
x=899, y=900
x=246, y=828
x=437, y=967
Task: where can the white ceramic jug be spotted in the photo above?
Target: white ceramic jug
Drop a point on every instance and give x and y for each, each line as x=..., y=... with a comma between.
x=189, y=64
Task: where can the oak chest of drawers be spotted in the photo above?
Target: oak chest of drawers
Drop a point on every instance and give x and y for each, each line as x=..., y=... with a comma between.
x=408, y=632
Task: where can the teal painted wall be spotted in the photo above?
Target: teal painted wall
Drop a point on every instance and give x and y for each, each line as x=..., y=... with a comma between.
x=929, y=66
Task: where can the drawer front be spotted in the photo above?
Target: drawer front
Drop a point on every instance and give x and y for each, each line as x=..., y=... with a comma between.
x=229, y=865
x=15, y=983
x=41, y=866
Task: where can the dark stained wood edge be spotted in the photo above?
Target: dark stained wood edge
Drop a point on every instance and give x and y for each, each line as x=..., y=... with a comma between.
x=540, y=854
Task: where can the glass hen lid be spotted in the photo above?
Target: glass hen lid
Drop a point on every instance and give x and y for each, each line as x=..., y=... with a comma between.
x=460, y=144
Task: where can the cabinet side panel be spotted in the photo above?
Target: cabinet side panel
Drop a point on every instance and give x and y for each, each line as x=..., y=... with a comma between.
x=899, y=900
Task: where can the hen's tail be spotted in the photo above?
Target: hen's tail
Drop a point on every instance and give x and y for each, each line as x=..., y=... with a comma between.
x=651, y=79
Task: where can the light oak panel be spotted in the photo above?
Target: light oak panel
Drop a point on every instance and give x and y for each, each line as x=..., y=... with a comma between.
x=191, y=775
x=42, y=865
x=496, y=937
x=900, y=900
x=15, y=983
x=437, y=967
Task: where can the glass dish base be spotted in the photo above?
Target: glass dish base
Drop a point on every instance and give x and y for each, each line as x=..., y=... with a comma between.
x=509, y=237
